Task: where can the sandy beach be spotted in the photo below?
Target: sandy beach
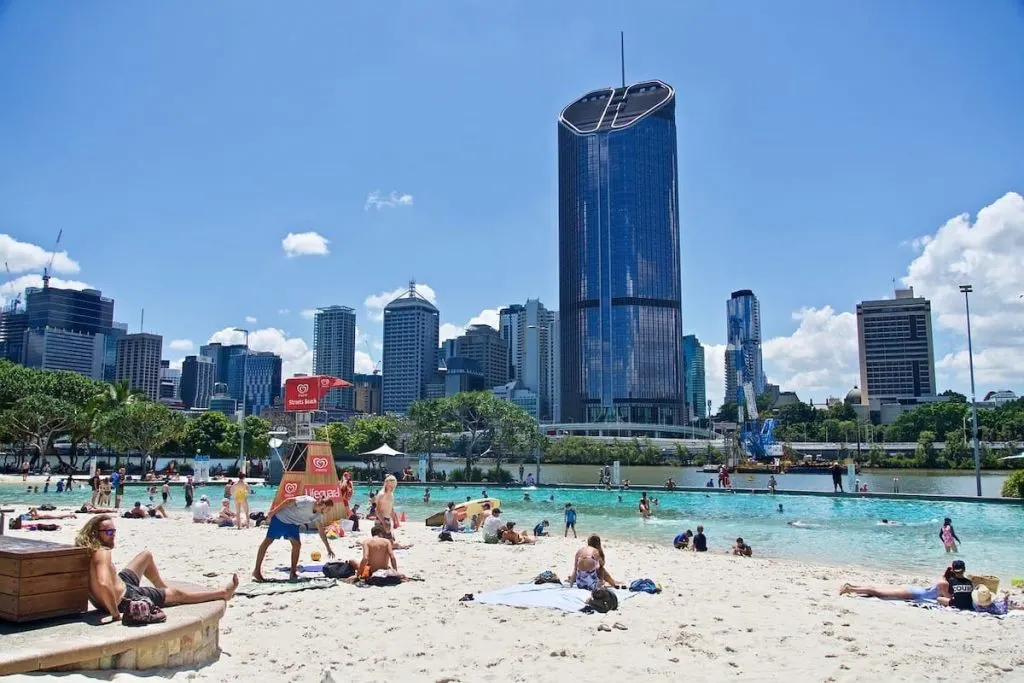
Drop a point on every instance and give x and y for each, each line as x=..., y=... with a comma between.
x=718, y=618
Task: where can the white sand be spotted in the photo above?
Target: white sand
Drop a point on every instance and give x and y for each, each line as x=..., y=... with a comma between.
x=719, y=618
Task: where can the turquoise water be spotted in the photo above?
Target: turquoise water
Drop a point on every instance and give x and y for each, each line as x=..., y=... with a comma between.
x=839, y=530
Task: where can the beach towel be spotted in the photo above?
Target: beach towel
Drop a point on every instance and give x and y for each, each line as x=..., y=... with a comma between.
x=255, y=590
x=312, y=570
x=547, y=595
x=943, y=608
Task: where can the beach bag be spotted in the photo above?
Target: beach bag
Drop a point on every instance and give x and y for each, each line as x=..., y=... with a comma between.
x=547, y=576
x=644, y=586
x=603, y=600
x=338, y=570
x=445, y=536
x=141, y=612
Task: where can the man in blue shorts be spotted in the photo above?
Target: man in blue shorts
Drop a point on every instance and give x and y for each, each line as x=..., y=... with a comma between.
x=286, y=519
x=570, y=520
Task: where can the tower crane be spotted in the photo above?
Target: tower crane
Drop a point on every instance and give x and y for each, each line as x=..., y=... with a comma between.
x=53, y=255
x=10, y=284
x=369, y=352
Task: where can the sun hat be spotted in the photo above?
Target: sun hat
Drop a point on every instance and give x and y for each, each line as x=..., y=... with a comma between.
x=982, y=596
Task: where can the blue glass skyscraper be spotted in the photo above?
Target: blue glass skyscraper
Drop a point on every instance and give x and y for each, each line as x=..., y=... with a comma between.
x=743, y=361
x=619, y=276
x=696, y=389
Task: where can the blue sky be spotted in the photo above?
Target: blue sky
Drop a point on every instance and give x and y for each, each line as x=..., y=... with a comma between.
x=178, y=144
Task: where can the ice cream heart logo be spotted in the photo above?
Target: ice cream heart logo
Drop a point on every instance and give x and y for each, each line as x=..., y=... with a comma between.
x=302, y=388
x=290, y=488
x=320, y=463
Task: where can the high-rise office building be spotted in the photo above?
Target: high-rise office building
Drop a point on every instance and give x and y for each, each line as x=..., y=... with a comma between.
x=86, y=310
x=221, y=355
x=56, y=349
x=138, y=362
x=743, y=362
x=482, y=344
x=410, y=350
x=170, y=382
x=621, y=324
x=260, y=374
x=897, y=359
x=555, y=365
x=116, y=332
x=367, y=394
x=334, y=352
x=530, y=334
x=221, y=401
x=696, y=390
x=198, y=375
x=508, y=326
x=13, y=324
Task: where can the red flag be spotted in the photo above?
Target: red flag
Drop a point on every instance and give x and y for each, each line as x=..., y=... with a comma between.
x=304, y=393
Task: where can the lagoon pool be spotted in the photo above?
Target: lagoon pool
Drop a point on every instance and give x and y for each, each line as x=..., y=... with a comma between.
x=839, y=530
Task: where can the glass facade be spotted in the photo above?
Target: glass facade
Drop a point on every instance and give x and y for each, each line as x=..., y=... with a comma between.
x=743, y=360
x=619, y=275
x=696, y=390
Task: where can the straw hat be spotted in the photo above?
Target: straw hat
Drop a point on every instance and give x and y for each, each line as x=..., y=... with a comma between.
x=982, y=596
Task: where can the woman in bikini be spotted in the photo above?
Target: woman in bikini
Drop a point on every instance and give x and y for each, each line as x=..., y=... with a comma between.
x=588, y=570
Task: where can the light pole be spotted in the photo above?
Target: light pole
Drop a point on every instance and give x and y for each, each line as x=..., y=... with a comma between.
x=967, y=289
x=241, y=427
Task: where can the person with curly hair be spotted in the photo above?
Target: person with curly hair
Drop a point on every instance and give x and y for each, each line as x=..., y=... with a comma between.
x=113, y=591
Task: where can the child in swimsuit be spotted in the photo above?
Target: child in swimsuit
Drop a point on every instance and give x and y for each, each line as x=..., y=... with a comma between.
x=948, y=536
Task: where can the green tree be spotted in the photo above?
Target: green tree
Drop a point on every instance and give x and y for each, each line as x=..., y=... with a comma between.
x=1013, y=487
x=475, y=413
x=36, y=420
x=926, y=455
x=373, y=431
x=205, y=433
x=257, y=439
x=339, y=435
x=141, y=426
x=430, y=425
x=729, y=412
x=515, y=432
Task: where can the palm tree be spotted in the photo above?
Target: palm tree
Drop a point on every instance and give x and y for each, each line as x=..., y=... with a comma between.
x=109, y=399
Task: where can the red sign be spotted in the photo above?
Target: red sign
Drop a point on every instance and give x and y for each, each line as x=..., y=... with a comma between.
x=304, y=393
x=320, y=464
x=322, y=491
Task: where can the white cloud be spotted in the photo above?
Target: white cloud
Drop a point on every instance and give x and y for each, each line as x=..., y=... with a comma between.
x=375, y=303
x=364, y=364
x=176, y=363
x=376, y=201
x=250, y=319
x=488, y=316
x=308, y=313
x=283, y=311
x=180, y=345
x=989, y=255
x=304, y=244
x=296, y=356
x=10, y=290
x=819, y=359
x=22, y=256
x=714, y=374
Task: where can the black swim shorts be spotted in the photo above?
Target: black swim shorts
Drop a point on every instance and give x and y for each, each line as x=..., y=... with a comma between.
x=133, y=591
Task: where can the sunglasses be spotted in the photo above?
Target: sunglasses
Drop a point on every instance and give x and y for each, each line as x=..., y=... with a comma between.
x=108, y=532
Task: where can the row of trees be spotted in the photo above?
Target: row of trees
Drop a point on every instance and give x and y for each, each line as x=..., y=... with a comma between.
x=39, y=407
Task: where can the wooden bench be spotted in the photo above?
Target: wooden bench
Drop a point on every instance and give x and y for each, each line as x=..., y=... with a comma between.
x=39, y=579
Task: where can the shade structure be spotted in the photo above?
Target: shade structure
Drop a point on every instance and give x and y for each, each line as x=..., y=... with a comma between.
x=383, y=451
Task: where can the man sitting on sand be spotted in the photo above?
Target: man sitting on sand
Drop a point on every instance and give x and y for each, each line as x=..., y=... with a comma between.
x=286, y=518
x=378, y=566
x=510, y=536
x=201, y=512
x=113, y=591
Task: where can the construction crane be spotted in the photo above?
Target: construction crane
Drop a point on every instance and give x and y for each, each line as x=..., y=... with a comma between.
x=756, y=436
x=10, y=285
x=369, y=352
x=53, y=255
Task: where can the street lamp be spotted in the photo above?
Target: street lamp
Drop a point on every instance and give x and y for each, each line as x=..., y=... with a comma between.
x=967, y=289
x=241, y=427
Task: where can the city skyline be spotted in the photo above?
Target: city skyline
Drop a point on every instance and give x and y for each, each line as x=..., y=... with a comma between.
x=802, y=188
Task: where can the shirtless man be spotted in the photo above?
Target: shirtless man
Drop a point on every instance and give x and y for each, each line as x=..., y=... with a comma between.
x=150, y=510
x=112, y=591
x=379, y=564
x=385, y=501
x=36, y=514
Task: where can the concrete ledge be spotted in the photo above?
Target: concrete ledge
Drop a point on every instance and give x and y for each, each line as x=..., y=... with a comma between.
x=191, y=635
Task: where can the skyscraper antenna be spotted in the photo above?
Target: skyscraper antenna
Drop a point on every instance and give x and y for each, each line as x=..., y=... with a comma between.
x=142, y=321
x=622, y=55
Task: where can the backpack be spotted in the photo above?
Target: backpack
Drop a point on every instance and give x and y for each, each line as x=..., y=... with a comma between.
x=338, y=570
x=644, y=586
x=445, y=536
x=546, y=576
x=603, y=600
